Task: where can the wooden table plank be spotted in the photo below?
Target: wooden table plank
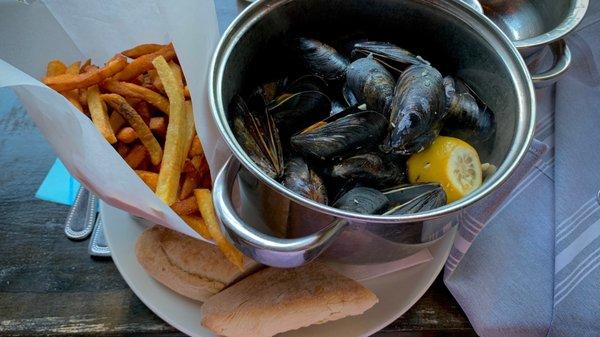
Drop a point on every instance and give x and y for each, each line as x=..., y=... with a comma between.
x=51, y=286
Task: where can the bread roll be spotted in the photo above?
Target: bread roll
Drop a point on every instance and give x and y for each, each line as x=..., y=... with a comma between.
x=277, y=300
x=190, y=267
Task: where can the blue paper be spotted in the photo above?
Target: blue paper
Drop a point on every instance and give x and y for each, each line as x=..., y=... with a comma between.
x=58, y=186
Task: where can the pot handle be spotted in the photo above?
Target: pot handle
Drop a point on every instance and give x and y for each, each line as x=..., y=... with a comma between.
x=263, y=248
x=562, y=55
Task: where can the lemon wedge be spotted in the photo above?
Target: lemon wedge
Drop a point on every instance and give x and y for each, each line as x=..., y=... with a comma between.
x=451, y=162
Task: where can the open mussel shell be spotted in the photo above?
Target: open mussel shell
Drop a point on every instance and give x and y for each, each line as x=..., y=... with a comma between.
x=372, y=84
x=467, y=118
x=259, y=138
x=394, y=58
x=363, y=200
x=261, y=95
x=301, y=179
x=349, y=96
x=370, y=169
x=294, y=112
x=330, y=140
x=411, y=199
x=417, y=110
x=320, y=59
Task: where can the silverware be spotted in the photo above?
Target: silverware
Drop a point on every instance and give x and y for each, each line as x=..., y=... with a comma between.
x=82, y=215
x=470, y=45
x=98, y=245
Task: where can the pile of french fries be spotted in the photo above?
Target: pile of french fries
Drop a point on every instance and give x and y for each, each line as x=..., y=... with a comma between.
x=139, y=102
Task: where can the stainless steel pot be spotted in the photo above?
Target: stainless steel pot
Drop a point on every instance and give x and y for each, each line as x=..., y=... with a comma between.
x=448, y=34
x=535, y=24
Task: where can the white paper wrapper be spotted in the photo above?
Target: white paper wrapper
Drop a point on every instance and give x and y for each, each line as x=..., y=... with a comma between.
x=76, y=30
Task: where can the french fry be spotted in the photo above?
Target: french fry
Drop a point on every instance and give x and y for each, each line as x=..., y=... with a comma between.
x=157, y=83
x=144, y=63
x=197, y=162
x=135, y=157
x=158, y=125
x=142, y=49
x=55, y=68
x=189, y=130
x=137, y=91
x=175, y=141
x=82, y=97
x=74, y=101
x=186, y=206
x=177, y=72
x=186, y=92
x=85, y=66
x=207, y=209
x=73, y=68
x=127, y=135
x=191, y=182
x=149, y=178
x=196, y=148
x=143, y=108
x=122, y=149
x=67, y=82
x=99, y=114
x=198, y=225
x=119, y=104
x=116, y=121
x=73, y=95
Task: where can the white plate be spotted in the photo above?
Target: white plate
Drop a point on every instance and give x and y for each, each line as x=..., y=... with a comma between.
x=397, y=291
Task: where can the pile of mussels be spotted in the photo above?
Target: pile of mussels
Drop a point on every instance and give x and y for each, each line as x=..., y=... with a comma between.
x=341, y=133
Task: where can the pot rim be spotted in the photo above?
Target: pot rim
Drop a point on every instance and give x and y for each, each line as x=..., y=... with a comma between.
x=576, y=14
x=525, y=121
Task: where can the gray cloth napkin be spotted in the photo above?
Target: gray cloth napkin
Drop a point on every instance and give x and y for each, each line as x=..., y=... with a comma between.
x=534, y=270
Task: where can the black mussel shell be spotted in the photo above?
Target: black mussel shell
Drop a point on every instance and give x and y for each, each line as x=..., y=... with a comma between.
x=370, y=169
x=263, y=94
x=410, y=199
x=467, y=118
x=294, y=112
x=337, y=107
x=394, y=58
x=260, y=139
x=348, y=95
x=372, y=84
x=320, y=59
x=300, y=178
x=417, y=111
x=307, y=83
x=363, y=200
x=341, y=137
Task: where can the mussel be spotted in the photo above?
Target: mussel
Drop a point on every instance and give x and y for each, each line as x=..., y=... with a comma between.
x=296, y=111
x=410, y=199
x=258, y=135
x=468, y=118
x=306, y=83
x=261, y=95
x=348, y=95
x=300, y=178
x=363, y=200
x=335, y=139
x=417, y=111
x=370, y=169
x=320, y=59
x=391, y=56
x=372, y=84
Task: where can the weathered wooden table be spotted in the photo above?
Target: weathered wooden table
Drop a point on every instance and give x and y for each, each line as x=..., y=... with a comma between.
x=51, y=286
